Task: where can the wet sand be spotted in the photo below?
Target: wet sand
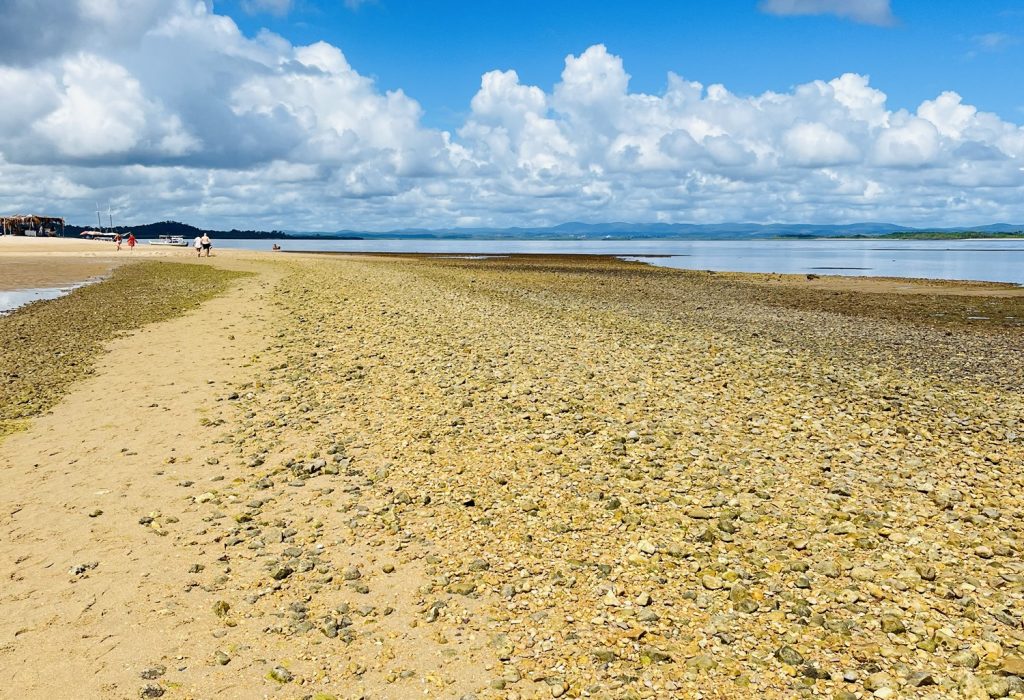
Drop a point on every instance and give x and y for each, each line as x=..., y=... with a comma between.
x=28, y=263
x=393, y=476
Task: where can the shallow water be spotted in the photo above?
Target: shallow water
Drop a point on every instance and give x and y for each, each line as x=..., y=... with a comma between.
x=13, y=299
x=990, y=260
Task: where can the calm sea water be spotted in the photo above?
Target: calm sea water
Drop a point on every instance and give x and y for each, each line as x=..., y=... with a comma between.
x=985, y=260
x=11, y=300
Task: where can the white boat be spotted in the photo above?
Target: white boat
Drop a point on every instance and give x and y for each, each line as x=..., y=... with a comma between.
x=170, y=240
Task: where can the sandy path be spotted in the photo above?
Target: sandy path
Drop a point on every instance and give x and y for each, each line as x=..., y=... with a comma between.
x=119, y=444
x=99, y=605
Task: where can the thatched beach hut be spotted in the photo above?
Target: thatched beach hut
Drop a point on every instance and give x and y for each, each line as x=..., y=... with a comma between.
x=31, y=225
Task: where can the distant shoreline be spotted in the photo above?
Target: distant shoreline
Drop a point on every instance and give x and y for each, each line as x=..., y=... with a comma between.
x=579, y=231
x=914, y=236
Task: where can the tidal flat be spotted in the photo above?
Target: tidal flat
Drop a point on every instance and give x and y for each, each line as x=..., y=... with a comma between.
x=47, y=345
x=531, y=476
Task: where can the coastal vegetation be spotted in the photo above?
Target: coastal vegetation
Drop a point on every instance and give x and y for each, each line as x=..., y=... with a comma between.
x=46, y=346
x=176, y=228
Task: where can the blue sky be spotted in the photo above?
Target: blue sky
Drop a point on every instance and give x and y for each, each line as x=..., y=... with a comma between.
x=436, y=51
x=387, y=114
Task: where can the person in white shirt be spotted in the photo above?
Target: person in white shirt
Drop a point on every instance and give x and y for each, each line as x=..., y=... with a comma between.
x=198, y=245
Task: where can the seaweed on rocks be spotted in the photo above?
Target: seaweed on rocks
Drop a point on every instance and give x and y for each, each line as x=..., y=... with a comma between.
x=46, y=346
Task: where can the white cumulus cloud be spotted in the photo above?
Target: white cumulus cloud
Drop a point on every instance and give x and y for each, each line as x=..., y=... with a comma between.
x=168, y=110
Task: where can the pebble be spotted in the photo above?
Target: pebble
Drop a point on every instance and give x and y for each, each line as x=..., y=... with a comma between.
x=281, y=674
x=789, y=655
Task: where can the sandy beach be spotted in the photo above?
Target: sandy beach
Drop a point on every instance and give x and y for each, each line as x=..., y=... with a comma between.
x=524, y=477
x=52, y=262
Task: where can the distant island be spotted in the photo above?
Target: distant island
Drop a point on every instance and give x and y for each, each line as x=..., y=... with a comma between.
x=176, y=228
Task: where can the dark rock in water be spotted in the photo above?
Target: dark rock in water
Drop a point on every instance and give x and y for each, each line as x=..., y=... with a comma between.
x=152, y=691
x=153, y=672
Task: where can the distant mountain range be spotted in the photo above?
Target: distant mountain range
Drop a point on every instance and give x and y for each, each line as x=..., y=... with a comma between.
x=627, y=231
x=581, y=231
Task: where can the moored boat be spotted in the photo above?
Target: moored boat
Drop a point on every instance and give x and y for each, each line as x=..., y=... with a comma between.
x=170, y=240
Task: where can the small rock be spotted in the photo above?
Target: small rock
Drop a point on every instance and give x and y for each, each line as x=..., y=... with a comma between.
x=920, y=679
x=789, y=655
x=879, y=680
x=153, y=672
x=891, y=624
x=655, y=655
x=712, y=583
x=462, y=587
x=80, y=569
x=995, y=686
x=279, y=573
x=702, y=662
x=965, y=659
x=280, y=674
x=1012, y=666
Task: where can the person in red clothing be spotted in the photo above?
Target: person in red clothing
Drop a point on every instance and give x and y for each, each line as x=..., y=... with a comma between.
x=131, y=241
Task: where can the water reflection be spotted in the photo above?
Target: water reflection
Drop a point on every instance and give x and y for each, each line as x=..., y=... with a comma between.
x=13, y=299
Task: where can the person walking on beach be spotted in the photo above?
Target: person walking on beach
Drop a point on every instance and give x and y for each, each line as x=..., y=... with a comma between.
x=131, y=242
x=205, y=240
x=198, y=245
x=117, y=240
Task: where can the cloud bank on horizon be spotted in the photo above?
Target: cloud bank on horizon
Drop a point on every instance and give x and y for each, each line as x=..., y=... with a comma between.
x=167, y=110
